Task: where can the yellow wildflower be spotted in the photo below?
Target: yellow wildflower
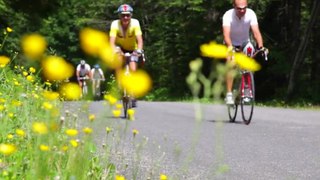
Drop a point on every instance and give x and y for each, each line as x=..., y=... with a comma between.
x=92, y=117
x=16, y=103
x=87, y=130
x=245, y=62
x=32, y=70
x=56, y=69
x=64, y=148
x=137, y=83
x=7, y=149
x=72, y=132
x=214, y=50
x=163, y=177
x=40, y=128
x=135, y=132
x=20, y=132
x=131, y=114
x=25, y=73
x=70, y=91
x=119, y=106
x=9, y=29
x=108, y=130
x=111, y=99
x=33, y=45
x=30, y=78
x=2, y=107
x=2, y=100
x=50, y=95
x=10, y=136
x=11, y=115
x=93, y=41
x=47, y=105
x=119, y=177
x=44, y=147
x=116, y=113
x=74, y=143
x=4, y=60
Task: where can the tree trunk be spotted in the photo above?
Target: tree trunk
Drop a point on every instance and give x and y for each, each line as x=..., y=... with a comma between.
x=300, y=54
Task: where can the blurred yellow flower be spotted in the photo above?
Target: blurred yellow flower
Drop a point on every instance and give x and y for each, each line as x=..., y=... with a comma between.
x=56, y=69
x=70, y=91
x=87, y=130
x=30, y=78
x=111, y=99
x=92, y=117
x=39, y=128
x=116, y=113
x=47, y=105
x=9, y=29
x=2, y=100
x=44, y=147
x=11, y=115
x=25, y=73
x=137, y=83
x=110, y=59
x=47, y=83
x=20, y=132
x=163, y=177
x=32, y=70
x=246, y=63
x=74, y=143
x=135, y=132
x=72, y=132
x=64, y=148
x=119, y=177
x=93, y=41
x=131, y=114
x=2, y=107
x=119, y=106
x=4, y=60
x=108, y=130
x=16, y=103
x=50, y=95
x=10, y=136
x=33, y=45
x=7, y=149
x=214, y=50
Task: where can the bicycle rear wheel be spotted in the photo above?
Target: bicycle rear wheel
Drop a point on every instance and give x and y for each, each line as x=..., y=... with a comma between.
x=247, y=100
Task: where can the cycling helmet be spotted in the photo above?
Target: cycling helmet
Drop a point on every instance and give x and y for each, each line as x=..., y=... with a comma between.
x=82, y=62
x=125, y=9
x=97, y=66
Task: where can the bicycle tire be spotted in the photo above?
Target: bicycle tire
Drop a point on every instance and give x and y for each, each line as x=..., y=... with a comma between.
x=247, y=102
x=232, y=111
x=127, y=104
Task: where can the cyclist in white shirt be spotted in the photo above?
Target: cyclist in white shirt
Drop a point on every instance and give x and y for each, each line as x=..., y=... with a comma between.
x=97, y=76
x=237, y=23
x=83, y=70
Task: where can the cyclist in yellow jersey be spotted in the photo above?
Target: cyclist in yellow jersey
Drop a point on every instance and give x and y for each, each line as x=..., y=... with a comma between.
x=126, y=35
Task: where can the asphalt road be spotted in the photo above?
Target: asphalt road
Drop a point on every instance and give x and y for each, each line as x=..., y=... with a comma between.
x=190, y=141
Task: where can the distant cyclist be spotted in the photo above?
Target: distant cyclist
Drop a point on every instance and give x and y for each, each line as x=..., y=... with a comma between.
x=97, y=76
x=126, y=36
x=83, y=70
x=236, y=24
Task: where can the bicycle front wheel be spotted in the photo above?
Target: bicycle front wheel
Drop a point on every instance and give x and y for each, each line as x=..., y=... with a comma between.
x=127, y=104
x=232, y=111
x=247, y=101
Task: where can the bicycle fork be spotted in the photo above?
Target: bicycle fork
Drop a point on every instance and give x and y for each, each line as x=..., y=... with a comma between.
x=246, y=85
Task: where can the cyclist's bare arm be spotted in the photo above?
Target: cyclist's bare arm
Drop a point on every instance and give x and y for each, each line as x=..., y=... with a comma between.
x=257, y=35
x=226, y=36
x=112, y=41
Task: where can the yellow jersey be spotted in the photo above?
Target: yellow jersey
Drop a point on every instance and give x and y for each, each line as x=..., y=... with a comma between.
x=128, y=40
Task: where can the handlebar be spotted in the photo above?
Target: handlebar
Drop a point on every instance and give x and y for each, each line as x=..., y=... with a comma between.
x=265, y=52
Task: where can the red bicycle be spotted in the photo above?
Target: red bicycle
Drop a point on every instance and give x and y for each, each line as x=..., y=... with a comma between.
x=244, y=89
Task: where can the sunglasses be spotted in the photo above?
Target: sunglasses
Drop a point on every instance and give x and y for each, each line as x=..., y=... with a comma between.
x=239, y=8
x=125, y=15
